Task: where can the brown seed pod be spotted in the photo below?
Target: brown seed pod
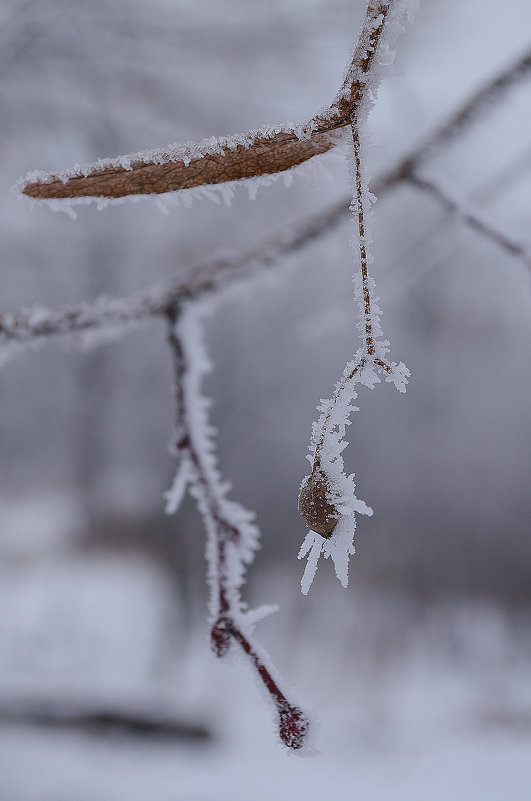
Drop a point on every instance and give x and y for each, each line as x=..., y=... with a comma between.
x=315, y=508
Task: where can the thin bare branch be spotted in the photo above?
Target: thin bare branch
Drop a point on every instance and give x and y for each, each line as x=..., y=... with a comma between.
x=407, y=169
x=359, y=214
x=35, y=326
x=472, y=218
x=467, y=113
x=327, y=501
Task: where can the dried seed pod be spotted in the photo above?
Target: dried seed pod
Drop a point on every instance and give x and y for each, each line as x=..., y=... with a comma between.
x=314, y=507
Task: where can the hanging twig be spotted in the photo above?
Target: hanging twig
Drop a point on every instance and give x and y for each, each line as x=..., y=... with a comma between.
x=232, y=536
x=327, y=500
x=471, y=217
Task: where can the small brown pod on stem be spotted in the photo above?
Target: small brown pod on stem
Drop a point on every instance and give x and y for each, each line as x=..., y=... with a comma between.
x=315, y=508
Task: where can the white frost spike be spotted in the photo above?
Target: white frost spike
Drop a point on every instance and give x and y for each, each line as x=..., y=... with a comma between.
x=175, y=494
x=313, y=545
x=254, y=616
x=399, y=376
x=338, y=547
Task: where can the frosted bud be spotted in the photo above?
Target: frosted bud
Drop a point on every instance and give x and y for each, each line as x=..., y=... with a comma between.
x=220, y=636
x=293, y=726
x=315, y=508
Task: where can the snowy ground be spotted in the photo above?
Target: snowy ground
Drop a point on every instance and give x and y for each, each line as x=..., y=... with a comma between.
x=425, y=746
x=435, y=707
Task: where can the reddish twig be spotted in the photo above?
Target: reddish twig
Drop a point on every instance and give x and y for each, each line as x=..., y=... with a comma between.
x=231, y=537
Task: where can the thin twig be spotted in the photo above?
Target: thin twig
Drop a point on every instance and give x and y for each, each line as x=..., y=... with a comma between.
x=369, y=354
x=228, y=541
x=467, y=113
x=471, y=217
x=34, y=326
x=358, y=200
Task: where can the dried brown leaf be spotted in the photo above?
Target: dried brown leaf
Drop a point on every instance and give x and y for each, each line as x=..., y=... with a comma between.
x=259, y=155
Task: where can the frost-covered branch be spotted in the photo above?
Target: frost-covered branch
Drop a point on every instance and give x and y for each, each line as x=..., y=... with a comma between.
x=232, y=536
x=327, y=500
x=35, y=326
x=265, y=151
